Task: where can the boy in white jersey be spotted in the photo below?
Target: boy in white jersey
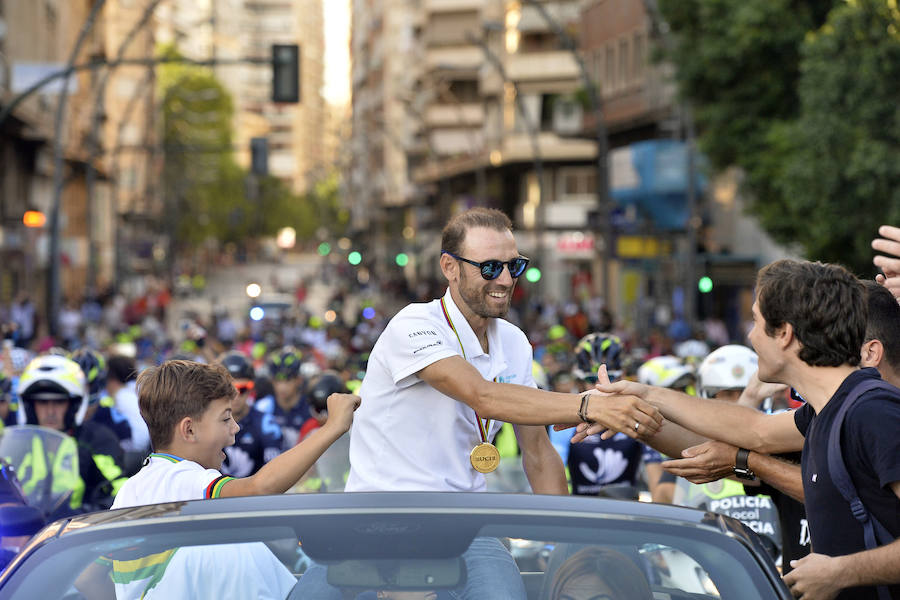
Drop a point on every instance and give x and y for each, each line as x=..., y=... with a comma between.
x=187, y=407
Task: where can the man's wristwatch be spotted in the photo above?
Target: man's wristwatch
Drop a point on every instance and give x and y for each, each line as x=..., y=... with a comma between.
x=740, y=468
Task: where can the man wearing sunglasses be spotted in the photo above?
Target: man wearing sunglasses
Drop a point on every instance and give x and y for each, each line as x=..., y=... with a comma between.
x=259, y=439
x=442, y=377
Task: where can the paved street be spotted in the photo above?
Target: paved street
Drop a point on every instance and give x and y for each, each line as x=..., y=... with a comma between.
x=226, y=287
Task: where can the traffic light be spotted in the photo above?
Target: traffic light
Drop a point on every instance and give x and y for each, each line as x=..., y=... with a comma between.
x=354, y=258
x=533, y=275
x=402, y=259
x=705, y=285
x=286, y=73
x=324, y=249
x=259, y=156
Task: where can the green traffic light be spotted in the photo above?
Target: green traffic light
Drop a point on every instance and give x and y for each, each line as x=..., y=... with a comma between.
x=705, y=285
x=533, y=274
x=324, y=249
x=354, y=258
x=402, y=259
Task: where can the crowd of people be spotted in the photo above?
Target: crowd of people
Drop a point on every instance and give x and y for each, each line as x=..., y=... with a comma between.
x=732, y=421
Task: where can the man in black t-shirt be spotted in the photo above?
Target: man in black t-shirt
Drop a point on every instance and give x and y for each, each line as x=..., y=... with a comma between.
x=809, y=326
x=791, y=518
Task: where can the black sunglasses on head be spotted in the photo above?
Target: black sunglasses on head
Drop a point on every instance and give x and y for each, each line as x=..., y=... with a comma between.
x=491, y=269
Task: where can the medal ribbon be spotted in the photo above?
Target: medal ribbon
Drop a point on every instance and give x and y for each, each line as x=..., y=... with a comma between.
x=484, y=425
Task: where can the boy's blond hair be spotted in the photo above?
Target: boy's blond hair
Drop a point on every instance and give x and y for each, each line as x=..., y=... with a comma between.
x=177, y=389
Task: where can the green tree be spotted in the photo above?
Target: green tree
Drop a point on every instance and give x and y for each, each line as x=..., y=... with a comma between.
x=208, y=194
x=200, y=175
x=801, y=95
x=840, y=178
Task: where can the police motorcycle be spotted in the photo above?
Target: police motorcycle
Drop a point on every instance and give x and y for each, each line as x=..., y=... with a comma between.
x=77, y=460
x=45, y=462
x=38, y=480
x=18, y=520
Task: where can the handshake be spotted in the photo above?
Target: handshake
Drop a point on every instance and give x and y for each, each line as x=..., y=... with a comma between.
x=613, y=408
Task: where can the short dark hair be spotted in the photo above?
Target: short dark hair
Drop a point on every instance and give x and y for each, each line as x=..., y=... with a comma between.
x=884, y=321
x=824, y=303
x=177, y=389
x=454, y=233
x=122, y=368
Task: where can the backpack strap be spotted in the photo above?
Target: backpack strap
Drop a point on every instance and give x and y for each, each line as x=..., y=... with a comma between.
x=873, y=530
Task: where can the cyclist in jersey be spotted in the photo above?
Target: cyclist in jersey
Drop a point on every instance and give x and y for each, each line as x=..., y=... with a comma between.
x=286, y=406
x=259, y=439
x=609, y=467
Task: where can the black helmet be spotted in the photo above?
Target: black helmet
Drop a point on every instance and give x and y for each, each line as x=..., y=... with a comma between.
x=597, y=349
x=326, y=384
x=285, y=363
x=238, y=365
x=94, y=366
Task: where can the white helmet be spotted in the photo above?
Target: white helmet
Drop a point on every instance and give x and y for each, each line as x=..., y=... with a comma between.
x=692, y=351
x=309, y=369
x=53, y=376
x=727, y=368
x=666, y=371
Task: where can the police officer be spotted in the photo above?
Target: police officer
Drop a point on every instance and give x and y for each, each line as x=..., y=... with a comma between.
x=53, y=392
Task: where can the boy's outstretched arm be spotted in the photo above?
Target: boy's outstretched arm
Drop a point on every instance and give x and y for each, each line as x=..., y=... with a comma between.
x=278, y=475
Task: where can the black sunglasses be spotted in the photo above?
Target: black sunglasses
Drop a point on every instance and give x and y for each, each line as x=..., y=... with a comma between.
x=491, y=269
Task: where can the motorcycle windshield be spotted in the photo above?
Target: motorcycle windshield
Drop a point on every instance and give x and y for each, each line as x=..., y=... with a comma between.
x=45, y=462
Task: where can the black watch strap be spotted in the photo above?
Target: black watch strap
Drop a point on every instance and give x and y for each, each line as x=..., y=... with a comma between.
x=741, y=469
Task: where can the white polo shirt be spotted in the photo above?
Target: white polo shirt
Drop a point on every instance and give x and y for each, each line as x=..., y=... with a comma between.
x=245, y=570
x=407, y=436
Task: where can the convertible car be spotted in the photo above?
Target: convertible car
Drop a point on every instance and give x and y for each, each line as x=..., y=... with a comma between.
x=392, y=545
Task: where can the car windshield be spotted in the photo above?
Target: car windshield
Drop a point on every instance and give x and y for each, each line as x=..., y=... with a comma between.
x=402, y=553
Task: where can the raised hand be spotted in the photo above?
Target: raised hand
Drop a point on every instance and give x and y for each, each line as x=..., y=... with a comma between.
x=889, y=244
x=340, y=410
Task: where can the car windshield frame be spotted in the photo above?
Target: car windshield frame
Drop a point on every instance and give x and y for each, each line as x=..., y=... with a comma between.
x=399, y=522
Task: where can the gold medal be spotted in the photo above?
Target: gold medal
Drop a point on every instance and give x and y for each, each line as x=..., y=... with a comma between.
x=485, y=457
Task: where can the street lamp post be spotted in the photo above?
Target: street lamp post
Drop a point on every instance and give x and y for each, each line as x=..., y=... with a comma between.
x=94, y=136
x=53, y=283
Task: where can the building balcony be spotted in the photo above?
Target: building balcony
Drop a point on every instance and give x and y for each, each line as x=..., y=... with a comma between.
x=518, y=147
x=456, y=141
x=436, y=6
x=450, y=115
x=542, y=66
x=454, y=57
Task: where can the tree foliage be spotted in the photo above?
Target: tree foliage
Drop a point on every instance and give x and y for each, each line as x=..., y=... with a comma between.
x=208, y=194
x=803, y=97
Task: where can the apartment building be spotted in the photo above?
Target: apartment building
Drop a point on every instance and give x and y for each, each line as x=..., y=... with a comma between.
x=37, y=38
x=459, y=103
x=668, y=233
x=385, y=60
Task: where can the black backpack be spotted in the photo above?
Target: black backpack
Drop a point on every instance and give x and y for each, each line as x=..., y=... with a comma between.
x=874, y=532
